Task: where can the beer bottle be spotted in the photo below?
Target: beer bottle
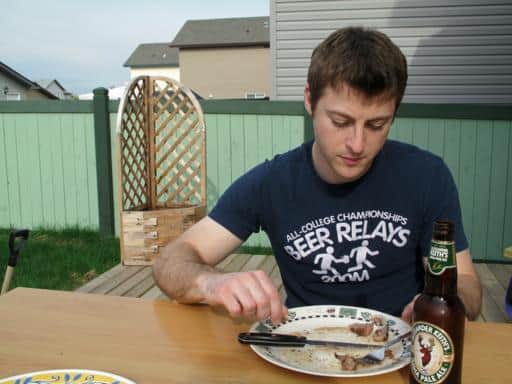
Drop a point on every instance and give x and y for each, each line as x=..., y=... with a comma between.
x=439, y=315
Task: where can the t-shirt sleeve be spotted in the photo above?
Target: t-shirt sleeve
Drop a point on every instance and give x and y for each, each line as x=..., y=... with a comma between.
x=442, y=202
x=239, y=209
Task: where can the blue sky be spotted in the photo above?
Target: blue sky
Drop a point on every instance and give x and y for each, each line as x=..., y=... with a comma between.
x=84, y=43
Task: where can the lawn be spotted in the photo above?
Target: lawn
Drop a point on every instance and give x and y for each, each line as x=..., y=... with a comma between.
x=62, y=260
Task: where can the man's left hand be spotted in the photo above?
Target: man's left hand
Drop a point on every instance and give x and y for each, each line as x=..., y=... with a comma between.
x=407, y=312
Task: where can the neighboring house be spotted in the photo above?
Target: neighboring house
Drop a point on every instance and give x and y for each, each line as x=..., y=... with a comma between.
x=155, y=59
x=56, y=88
x=458, y=51
x=114, y=93
x=225, y=58
x=15, y=86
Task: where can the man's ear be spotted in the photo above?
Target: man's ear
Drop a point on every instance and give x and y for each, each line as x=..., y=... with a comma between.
x=307, y=99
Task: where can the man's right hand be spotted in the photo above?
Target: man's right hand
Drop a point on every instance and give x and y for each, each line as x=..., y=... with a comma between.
x=244, y=294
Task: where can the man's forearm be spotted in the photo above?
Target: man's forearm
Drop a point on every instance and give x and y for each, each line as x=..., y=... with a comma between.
x=470, y=292
x=176, y=272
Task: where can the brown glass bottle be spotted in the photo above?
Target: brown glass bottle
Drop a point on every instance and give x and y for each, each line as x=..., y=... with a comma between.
x=438, y=315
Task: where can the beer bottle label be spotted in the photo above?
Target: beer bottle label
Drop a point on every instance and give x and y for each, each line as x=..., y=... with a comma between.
x=441, y=257
x=432, y=353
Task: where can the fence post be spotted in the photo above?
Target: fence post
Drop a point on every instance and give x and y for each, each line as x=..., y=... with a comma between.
x=103, y=161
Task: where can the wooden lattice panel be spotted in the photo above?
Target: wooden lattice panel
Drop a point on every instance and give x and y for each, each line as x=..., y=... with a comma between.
x=162, y=166
x=179, y=146
x=133, y=143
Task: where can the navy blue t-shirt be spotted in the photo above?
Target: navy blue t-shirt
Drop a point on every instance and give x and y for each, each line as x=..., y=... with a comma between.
x=357, y=243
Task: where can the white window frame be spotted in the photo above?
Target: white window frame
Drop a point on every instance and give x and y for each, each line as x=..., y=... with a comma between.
x=13, y=96
x=255, y=95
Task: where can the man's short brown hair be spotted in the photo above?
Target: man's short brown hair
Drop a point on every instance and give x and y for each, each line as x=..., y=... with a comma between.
x=365, y=59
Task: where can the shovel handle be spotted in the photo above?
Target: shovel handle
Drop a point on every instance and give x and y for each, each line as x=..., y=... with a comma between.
x=16, y=247
x=7, y=280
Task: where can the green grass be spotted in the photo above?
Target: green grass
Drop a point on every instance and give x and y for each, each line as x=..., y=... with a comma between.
x=62, y=260
x=255, y=250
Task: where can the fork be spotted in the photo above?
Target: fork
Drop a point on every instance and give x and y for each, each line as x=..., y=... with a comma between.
x=378, y=355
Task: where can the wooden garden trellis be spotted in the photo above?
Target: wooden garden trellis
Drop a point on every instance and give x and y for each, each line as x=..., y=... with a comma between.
x=161, y=157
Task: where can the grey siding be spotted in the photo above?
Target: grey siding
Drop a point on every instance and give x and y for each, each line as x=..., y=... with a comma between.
x=459, y=51
x=13, y=87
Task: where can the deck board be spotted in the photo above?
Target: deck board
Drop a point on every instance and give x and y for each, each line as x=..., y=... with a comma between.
x=153, y=293
x=133, y=281
x=115, y=281
x=237, y=263
x=104, y=277
x=255, y=262
x=142, y=287
x=502, y=272
x=137, y=281
x=493, y=306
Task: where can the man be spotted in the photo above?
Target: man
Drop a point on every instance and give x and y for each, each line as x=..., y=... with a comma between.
x=349, y=215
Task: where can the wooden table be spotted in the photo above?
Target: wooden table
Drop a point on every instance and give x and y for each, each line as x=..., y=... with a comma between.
x=162, y=342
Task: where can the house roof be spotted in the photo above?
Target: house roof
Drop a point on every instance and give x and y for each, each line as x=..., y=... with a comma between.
x=45, y=83
x=153, y=55
x=16, y=76
x=234, y=32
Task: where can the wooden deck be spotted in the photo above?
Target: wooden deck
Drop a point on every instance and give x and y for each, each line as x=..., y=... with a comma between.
x=137, y=281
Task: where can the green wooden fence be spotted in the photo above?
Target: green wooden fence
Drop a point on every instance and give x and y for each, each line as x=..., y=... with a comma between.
x=478, y=153
x=47, y=170
x=52, y=171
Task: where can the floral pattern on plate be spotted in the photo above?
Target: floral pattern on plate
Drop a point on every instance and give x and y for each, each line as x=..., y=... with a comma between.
x=67, y=376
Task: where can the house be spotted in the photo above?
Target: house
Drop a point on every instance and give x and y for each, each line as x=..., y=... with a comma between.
x=56, y=88
x=15, y=86
x=225, y=58
x=114, y=93
x=154, y=59
x=457, y=51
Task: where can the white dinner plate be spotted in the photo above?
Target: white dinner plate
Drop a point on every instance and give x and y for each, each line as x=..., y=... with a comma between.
x=331, y=322
x=67, y=376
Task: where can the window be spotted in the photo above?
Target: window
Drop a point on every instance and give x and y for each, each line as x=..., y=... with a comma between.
x=255, y=95
x=13, y=96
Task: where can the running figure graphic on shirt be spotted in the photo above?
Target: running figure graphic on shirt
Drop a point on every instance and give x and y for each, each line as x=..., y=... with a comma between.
x=326, y=260
x=361, y=253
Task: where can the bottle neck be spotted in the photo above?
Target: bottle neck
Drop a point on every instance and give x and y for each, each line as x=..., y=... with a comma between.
x=441, y=268
x=441, y=285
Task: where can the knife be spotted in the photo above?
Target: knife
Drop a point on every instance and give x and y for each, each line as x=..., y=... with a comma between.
x=284, y=340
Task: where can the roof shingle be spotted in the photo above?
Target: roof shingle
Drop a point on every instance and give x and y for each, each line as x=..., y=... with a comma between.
x=247, y=31
x=153, y=55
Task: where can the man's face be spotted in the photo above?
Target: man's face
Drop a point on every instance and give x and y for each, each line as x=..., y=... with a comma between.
x=350, y=129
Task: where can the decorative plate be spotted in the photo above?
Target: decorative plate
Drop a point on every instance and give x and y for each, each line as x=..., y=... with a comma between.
x=67, y=376
x=331, y=322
